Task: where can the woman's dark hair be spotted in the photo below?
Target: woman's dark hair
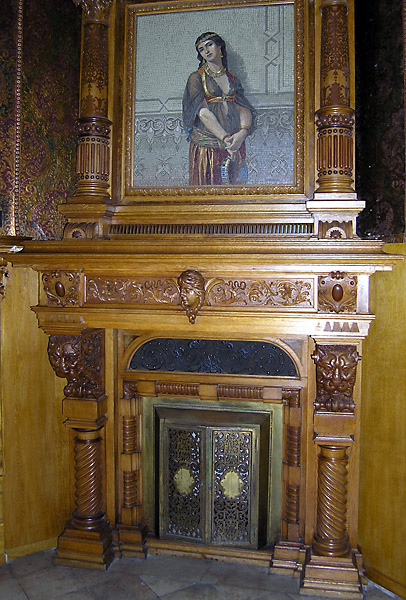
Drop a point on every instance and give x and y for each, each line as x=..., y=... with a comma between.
x=210, y=35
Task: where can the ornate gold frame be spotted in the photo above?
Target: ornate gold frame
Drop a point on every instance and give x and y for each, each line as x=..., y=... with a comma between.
x=297, y=191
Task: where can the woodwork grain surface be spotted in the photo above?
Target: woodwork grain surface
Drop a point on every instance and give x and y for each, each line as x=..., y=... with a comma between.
x=36, y=501
x=383, y=445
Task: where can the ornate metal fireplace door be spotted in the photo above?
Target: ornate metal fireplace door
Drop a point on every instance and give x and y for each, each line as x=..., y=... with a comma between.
x=209, y=484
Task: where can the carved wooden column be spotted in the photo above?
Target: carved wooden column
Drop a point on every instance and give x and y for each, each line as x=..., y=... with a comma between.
x=132, y=529
x=87, y=537
x=288, y=553
x=86, y=210
x=335, y=118
x=335, y=206
x=335, y=432
x=331, y=538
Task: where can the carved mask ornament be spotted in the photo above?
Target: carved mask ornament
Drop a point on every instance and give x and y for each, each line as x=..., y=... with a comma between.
x=78, y=358
x=192, y=292
x=336, y=373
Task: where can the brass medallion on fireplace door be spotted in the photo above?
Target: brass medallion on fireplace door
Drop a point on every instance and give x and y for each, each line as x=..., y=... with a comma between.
x=209, y=478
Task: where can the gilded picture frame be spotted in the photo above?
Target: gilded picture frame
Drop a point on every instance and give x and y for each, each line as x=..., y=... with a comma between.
x=160, y=53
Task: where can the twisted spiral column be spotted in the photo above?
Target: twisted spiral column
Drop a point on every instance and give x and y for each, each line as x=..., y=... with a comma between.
x=89, y=512
x=331, y=538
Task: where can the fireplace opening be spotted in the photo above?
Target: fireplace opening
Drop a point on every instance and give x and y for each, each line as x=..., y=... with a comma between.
x=215, y=473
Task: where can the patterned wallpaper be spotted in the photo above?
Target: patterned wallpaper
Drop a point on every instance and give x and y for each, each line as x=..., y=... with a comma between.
x=380, y=134
x=37, y=126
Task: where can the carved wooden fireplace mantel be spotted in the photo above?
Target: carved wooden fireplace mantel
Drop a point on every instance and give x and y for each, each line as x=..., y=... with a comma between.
x=211, y=336
x=268, y=330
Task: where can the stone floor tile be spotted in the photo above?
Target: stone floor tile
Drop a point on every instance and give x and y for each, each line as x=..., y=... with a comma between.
x=10, y=589
x=197, y=591
x=32, y=563
x=172, y=567
x=247, y=576
x=163, y=586
x=91, y=576
x=50, y=583
x=5, y=573
x=78, y=595
x=377, y=593
x=122, y=587
x=238, y=593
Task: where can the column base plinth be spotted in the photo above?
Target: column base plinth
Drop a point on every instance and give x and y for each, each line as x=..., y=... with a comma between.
x=332, y=576
x=131, y=540
x=86, y=549
x=288, y=558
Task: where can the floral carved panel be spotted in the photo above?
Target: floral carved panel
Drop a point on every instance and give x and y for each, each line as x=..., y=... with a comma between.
x=131, y=291
x=266, y=292
x=192, y=291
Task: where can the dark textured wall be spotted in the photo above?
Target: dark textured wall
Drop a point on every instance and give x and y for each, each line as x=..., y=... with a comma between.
x=49, y=102
x=380, y=136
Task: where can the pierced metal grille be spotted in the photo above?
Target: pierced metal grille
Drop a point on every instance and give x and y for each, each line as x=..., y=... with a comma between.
x=134, y=230
x=209, y=482
x=232, y=503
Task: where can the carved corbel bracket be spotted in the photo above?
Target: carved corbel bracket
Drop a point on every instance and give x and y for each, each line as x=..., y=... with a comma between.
x=336, y=368
x=79, y=359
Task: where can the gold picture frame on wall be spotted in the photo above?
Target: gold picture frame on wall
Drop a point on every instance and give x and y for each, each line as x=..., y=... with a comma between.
x=266, y=52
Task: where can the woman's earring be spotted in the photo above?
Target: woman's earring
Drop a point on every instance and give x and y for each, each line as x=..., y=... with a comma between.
x=221, y=54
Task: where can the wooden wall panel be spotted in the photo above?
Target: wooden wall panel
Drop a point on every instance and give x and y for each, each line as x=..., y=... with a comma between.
x=36, y=496
x=383, y=447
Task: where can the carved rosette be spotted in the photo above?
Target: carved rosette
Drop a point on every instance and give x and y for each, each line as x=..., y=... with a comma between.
x=337, y=293
x=331, y=538
x=336, y=369
x=79, y=359
x=335, y=118
x=61, y=288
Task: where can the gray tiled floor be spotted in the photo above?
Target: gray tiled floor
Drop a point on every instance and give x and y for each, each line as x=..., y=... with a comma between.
x=34, y=577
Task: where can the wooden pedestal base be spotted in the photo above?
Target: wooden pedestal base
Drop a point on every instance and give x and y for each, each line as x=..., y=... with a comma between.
x=259, y=558
x=332, y=577
x=86, y=549
x=288, y=558
x=131, y=540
